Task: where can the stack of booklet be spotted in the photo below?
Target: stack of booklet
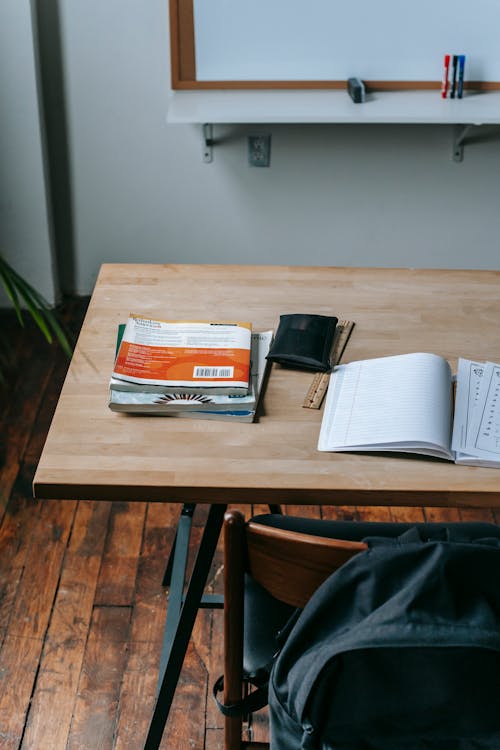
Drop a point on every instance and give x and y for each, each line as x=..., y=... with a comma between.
x=194, y=369
x=408, y=403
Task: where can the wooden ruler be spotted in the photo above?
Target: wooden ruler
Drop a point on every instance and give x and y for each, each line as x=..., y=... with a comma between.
x=317, y=389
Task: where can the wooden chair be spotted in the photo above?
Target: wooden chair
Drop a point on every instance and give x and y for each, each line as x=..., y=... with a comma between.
x=290, y=566
x=288, y=558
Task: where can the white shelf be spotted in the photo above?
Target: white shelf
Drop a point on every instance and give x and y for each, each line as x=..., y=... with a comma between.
x=332, y=106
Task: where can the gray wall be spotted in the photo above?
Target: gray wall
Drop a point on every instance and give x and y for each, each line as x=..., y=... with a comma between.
x=25, y=230
x=139, y=191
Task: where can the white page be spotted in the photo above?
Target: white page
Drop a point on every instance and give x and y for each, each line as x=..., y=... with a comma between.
x=390, y=403
x=469, y=376
x=484, y=435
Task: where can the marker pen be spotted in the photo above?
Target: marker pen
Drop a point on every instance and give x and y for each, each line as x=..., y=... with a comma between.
x=454, y=77
x=446, y=72
x=460, y=85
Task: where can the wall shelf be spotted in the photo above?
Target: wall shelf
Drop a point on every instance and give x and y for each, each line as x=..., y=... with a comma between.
x=335, y=107
x=310, y=106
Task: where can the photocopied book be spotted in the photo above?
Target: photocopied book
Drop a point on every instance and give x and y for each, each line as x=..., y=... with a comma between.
x=405, y=403
x=201, y=406
x=193, y=356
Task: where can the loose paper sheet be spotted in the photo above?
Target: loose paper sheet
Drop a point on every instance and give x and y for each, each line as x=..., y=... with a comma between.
x=484, y=435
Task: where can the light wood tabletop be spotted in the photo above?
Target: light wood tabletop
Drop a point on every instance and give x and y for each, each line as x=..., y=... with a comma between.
x=93, y=453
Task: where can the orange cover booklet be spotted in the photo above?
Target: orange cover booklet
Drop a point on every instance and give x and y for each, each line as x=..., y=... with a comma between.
x=195, y=356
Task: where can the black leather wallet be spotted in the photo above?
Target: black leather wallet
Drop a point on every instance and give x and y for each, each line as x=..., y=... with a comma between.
x=304, y=341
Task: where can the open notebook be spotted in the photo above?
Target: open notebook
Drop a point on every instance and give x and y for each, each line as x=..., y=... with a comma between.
x=405, y=403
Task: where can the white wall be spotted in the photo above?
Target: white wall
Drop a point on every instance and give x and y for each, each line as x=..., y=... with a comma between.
x=381, y=195
x=25, y=236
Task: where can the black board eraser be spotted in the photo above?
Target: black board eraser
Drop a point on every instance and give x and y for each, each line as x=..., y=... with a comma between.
x=356, y=89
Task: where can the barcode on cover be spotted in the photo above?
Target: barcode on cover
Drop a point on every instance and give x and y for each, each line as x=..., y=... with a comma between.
x=213, y=372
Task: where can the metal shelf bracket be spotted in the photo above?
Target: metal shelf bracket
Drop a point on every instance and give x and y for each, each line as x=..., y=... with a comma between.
x=208, y=143
x=460, y=134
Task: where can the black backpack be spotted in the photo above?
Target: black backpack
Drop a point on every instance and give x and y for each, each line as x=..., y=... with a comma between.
x=399, y=649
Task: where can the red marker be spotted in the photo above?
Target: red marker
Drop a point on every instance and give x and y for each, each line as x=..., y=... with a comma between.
x=444, y=86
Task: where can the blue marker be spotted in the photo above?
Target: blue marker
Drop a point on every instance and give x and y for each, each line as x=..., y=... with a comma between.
x=461, y=66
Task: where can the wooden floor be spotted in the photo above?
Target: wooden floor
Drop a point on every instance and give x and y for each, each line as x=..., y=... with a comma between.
x=81, y=603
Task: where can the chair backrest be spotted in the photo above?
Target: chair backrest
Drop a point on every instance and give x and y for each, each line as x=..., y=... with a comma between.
x=291, y=565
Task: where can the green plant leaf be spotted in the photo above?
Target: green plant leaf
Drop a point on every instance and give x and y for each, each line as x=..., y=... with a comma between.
x=20, y=293
x=10, y=288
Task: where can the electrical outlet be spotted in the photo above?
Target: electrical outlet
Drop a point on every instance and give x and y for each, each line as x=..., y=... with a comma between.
x=259, y=150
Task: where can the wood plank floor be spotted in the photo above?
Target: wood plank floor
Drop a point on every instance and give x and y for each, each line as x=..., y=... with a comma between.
x=81, y=603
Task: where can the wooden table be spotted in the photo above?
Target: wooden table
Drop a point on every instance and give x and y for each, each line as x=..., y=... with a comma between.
x=93, y=453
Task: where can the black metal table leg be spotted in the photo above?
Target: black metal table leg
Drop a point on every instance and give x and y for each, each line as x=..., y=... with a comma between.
x=188, y=509
x=177, y=575
x=186, y=515
x=184, y=626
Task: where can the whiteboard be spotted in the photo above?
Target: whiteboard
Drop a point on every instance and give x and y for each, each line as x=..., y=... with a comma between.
x=320, y=40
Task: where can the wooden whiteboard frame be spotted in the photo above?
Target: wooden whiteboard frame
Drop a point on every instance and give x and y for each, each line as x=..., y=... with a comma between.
x=183, y=65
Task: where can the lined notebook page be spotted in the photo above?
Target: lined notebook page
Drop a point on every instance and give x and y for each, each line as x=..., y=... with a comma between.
x=400, y=403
